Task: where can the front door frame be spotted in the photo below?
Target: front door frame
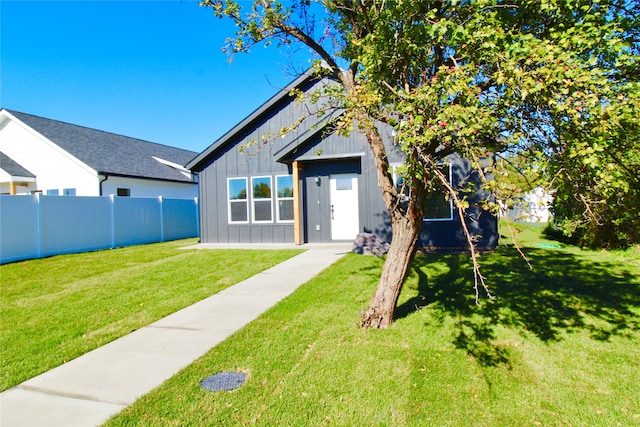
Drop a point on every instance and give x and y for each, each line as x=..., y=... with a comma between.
x=344, y=206
x=313, y=195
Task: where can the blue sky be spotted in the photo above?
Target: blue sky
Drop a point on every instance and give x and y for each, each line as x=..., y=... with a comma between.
x=149, y=70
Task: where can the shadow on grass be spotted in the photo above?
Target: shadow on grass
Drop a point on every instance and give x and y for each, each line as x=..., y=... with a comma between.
x=563, y=293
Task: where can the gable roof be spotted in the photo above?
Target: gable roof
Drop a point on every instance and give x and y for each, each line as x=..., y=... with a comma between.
x=112, y=154
x=11, y=167
x=283, y=95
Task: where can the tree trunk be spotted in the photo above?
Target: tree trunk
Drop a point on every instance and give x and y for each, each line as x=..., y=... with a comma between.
x=379, y=314
x=406, y=223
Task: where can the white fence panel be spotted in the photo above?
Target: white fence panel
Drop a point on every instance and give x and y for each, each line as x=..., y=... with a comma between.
x=38, y=226
x=180, y=219
x=18, y=228
x=74, y=224
x=137, y=221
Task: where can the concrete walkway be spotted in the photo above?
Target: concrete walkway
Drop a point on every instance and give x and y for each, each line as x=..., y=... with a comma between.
x=88, y=390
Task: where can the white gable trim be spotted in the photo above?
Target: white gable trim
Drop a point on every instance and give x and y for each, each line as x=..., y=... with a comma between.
x=5, y=115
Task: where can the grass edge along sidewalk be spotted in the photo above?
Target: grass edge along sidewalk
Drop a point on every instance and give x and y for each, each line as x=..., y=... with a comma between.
x=89, y=389
x=56, y=309
x=557, y=346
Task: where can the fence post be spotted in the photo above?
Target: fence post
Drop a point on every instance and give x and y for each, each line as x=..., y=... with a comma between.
x=161, y=220
x=38, y=227
x=112, y=200
x=195, y=199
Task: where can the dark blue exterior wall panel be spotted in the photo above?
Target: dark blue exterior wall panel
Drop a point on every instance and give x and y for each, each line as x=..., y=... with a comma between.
x=321, y=154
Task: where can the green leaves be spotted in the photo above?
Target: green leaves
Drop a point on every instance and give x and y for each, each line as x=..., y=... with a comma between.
x=549, y=86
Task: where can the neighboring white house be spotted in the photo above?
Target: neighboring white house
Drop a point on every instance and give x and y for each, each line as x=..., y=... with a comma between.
x=57, y=158
x=535, y=206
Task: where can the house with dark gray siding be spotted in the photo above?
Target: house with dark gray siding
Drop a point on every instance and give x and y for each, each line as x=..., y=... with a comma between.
x=310, y=185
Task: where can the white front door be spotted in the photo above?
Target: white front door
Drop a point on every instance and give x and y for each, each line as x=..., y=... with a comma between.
x=345, y=223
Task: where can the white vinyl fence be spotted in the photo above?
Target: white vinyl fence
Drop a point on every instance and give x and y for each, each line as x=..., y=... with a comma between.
x=39, y=226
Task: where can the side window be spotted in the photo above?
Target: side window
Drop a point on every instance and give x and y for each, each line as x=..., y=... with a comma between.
x=69, y=191
x=238, y=202
x=54, y=192
x=284, y=195
x=437, y=206
x=262, y=201
x=123, y=192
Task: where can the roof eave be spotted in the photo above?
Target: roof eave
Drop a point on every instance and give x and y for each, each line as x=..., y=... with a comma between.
x=17, y=178
x=122, y=175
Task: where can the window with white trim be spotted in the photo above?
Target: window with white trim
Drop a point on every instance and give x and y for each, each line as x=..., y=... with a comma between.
x=238, y=203
x=284, y=198
x=261, y=199
x=439, y=207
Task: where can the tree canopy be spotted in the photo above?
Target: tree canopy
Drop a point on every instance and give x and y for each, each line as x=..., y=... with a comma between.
x=546, y=89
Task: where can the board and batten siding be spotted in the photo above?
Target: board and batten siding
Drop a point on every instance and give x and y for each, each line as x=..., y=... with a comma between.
x=323, y=156
x=214, y=222
x=254, y=161
x=319, y=155
x=481, y=224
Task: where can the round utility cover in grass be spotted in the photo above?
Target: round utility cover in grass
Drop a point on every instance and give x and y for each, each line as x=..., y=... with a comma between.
x=223, y=381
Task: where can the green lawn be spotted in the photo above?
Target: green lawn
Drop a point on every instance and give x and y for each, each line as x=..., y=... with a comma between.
x=558, y=346
x=55, y=309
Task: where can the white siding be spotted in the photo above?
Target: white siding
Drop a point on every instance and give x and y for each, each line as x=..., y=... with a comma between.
x=54, y=168
x=149, y=188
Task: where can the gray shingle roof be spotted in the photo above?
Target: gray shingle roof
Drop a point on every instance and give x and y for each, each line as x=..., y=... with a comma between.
x=11, y=167
x=110, y=153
